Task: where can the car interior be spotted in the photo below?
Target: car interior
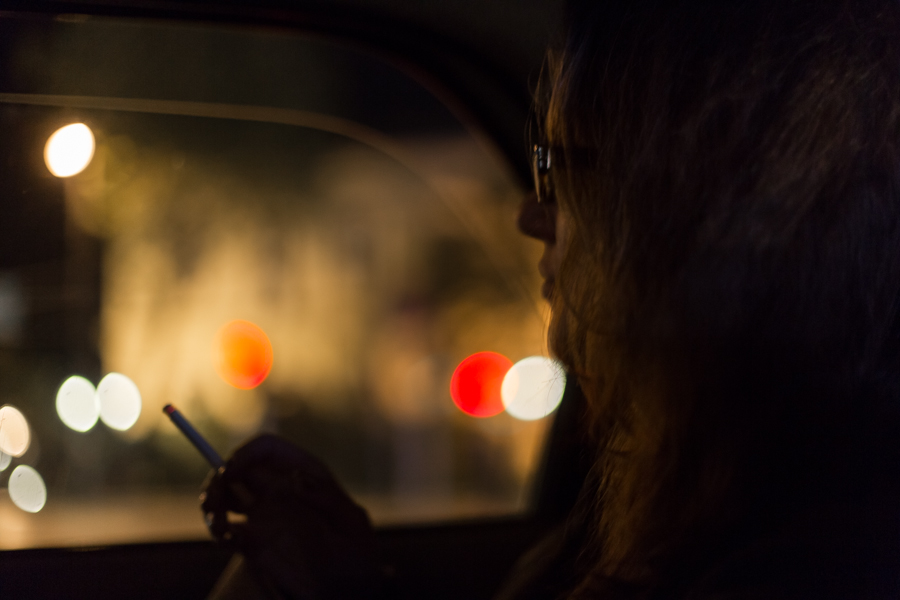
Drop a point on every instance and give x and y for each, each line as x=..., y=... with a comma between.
x=338, y=179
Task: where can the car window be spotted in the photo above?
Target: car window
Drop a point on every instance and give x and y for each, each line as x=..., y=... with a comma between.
x=274, y=233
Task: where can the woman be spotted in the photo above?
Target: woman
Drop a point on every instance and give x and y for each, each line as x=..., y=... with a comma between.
x=719, y=198
x=728, y=181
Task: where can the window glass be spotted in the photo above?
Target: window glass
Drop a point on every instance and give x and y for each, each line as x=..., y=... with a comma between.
x=247, y=181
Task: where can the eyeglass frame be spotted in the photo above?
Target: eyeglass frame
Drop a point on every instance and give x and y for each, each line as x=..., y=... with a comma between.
x=544, y=156
x=541, y=161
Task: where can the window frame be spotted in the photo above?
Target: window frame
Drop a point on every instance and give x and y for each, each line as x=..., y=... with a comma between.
x=486, y=96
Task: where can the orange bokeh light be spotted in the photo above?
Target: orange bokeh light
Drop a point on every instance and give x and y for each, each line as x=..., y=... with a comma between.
x=475, y=385
x=243, y=354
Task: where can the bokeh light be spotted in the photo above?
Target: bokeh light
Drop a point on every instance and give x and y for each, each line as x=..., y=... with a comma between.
x=533, y=388
x=243, y=354
x=69, y=150
x=77, y=404
x=475, y=385
x=27, y=489
x=15, y=436
x=5, y=459
x=120, y=401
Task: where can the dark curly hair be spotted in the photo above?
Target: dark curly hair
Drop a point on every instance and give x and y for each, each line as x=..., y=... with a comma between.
x=730, y=299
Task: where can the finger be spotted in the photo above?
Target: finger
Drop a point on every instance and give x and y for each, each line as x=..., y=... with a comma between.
x=218, y=526
x=269, y=467
x=281, y=476
x=212, y=504
x=220, y=494
x=216, y=501
x=211, y=496
x=335, y=506
x=277, y=454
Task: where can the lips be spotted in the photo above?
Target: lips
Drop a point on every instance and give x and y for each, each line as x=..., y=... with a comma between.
x=546, y=268
x=547, y=288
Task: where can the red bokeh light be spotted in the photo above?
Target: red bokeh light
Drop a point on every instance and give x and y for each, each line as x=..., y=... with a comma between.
x=475, y=385
x=243, y=354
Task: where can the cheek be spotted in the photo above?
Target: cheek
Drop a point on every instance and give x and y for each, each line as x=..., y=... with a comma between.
x=563, y=237
x=563, y=229
x=562, y=336
x=560, y=321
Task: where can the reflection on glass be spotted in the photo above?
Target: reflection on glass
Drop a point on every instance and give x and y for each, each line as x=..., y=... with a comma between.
x=12, y=309
x=119, y=400
x=15, y=436
x=243, y=354
x=375, y=257
x=69, y=150
x=77, y=404
x=27, y=489
x=533, y=388
x=475, y=385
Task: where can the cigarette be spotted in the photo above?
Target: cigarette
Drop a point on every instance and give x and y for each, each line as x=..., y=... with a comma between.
x=199, y=442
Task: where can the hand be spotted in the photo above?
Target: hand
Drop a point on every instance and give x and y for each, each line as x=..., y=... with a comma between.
x=302, y=535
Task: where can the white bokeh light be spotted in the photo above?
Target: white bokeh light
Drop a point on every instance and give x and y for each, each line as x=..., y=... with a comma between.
x=77, y=404
x=15, y=436
x=69, y=150
x=533, y=388
x=5, y=459
x=27, y=489
x=120, y=401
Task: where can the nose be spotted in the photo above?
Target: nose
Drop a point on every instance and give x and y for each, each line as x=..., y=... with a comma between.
x=537, y=220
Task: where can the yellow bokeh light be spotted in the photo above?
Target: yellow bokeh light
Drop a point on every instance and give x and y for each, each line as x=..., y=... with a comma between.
x=5, y=459
x=533, y=388
x=27, y=489
x=69, y=150
x=120, y=401
x=15, y=436
x=77, y=404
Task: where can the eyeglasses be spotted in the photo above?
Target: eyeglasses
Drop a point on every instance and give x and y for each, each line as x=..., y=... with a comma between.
x=543, y=157
x=540, y=169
